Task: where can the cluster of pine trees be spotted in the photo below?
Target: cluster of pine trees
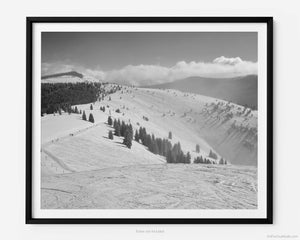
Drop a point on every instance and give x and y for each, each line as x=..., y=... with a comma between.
x=223, y=161
x=110, y=135
x=68, y=109
x=102, y=109
x=207, y=161
x=202, y=160
x=91, y=117
x=175, y=155
x=162, y=147
x=159, y=146
x=121, y=129
x=55, y=96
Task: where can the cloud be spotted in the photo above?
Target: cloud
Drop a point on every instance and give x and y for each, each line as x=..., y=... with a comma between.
x=230, y=61
x=153, y=74
x=95, y=73
x=138, y=75
x=142, y=75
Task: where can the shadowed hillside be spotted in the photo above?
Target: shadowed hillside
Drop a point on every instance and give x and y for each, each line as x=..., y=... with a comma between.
x=68, y=77
x=240, y=90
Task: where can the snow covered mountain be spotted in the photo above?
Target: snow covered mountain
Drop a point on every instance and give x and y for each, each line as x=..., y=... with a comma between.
x=81, y=166
x=241, y=90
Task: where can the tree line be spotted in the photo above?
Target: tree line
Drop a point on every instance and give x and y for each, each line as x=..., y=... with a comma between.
x=55, y=96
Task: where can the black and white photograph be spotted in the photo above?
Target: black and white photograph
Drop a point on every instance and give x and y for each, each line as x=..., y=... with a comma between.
x=150, y=120
x=164, y=122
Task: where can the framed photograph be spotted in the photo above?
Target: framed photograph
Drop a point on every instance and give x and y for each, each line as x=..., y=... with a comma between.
x=149, y=120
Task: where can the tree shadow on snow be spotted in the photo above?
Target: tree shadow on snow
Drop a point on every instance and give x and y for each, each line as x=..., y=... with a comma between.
x=118, y=143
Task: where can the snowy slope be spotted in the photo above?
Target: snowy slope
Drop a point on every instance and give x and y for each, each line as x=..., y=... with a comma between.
x=78, y=153
x=190, y=117
x=160, y=186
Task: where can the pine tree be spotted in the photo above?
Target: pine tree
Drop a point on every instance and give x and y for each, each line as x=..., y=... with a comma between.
x=109, y=121
x=170, y=157
x=110, y=135
x=76, y=110
x=91, y=118
x=188, y=158
x=197, y=148
x=148, y=142
x=180, y=158
x=170, y=135
x=152, y=137
x=155, y=147
x=136, y=136
x=59, y=111
x=91, y=107
x=117, y=130
x=83, y=116
x=115, y=123
x=127, y=138
x=123, y=129
x=176, y=149
x=159, y=145
x=130, y=129
x=142, y=135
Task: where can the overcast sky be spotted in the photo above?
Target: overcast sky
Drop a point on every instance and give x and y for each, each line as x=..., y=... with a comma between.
x=150, y=57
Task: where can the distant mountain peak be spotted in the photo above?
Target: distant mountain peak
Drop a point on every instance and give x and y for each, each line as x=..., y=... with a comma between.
x=68, y=77
x=241, y=90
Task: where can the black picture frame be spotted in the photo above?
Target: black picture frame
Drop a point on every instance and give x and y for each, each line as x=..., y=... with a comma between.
x=29, y=120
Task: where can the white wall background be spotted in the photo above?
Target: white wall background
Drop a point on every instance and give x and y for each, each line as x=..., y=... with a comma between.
x=286, y=116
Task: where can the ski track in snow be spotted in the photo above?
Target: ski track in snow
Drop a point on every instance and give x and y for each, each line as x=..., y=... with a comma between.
x=156, y=186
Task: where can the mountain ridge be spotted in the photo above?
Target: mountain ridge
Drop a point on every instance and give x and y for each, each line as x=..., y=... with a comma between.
x=68, y=77
x=71, y=73
x=241, y=90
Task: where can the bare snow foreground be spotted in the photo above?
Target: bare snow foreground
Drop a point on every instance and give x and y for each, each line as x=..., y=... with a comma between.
x=160, y=186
